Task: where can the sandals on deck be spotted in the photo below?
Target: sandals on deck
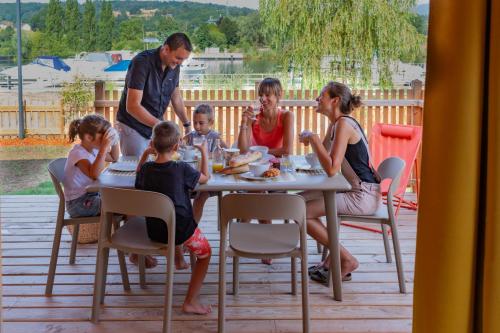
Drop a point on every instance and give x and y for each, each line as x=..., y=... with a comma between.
x=320, y=274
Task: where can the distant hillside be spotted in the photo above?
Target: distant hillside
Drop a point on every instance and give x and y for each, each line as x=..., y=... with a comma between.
x=195, y=13
x=422, y=9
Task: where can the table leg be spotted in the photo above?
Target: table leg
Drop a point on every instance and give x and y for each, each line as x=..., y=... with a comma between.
x=332, y=225
x=219, y=211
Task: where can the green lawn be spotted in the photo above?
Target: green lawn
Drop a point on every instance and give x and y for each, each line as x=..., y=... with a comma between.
x=42, y=188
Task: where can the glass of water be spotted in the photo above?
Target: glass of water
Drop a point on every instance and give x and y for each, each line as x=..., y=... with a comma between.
x=286, y=165
x=198, y=140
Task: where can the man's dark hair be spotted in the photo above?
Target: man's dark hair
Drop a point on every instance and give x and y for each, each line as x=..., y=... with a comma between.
x=178, y=39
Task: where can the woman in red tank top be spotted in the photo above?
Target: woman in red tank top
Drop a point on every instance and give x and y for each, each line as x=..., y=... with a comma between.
x=273, y=127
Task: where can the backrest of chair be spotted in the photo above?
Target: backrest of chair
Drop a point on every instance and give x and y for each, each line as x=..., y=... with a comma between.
x=391, y=168
x=403, y=141
x=56, y=172
x=139, y=203
x=263, y=206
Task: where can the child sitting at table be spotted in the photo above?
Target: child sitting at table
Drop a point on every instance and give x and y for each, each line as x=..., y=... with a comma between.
x=203, y=120
x=85, y=162
x=176, y=179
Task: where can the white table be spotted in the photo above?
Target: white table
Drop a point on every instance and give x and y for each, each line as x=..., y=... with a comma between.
x=288, y=182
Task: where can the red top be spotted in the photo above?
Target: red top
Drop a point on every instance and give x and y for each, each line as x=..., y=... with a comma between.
x=272, y=139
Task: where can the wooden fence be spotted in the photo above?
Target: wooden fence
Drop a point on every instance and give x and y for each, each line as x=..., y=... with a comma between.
x=396, y=106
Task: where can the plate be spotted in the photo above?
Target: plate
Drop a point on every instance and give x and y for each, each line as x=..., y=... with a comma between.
x=123, y=166
x=308, y=168
x=249, y=176
x=267, y=157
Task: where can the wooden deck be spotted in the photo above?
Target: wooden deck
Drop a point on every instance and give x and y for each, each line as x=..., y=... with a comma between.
x=372, y=302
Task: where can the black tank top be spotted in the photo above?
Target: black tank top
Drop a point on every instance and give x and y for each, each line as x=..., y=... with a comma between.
x=357, y=156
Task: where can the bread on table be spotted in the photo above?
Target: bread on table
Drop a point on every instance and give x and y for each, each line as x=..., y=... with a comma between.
x=235, y=170
x=245, y=159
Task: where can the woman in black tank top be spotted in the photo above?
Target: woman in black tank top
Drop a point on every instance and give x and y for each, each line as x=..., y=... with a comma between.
x=344, y=147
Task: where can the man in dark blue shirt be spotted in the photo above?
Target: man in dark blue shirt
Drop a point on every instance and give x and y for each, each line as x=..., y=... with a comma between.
x=152, y=82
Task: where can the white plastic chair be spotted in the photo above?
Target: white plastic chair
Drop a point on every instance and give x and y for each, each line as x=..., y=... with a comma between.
x=132, y=237
x=56, y=172
x=263, y=240
x=391, y=168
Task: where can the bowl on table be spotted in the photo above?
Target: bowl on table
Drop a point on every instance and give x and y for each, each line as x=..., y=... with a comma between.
x=229, y=153
x=263, y=149
x=258, y=168
x=313, y=161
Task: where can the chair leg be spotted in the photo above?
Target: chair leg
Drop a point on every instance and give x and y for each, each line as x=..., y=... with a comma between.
x=167, y=311
x=96, y=304
x=222, y=287
x=236, y=275
x=387, y=245
x=399, y=260
x=74, y=242
x=53, y=258
x=305, y=295
x=293, y=267
x=142, y=270
x=123, y=270
x=104, y=274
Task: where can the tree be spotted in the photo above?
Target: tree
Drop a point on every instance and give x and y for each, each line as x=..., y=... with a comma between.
x=251, y=31
x=54, y=19
x=72, y=24
x=353, y=34
x=209, y=35
x=106, y=24
x=130, y=35
x=89, y=26
x=37, y=21
x=229, y=28
x=76, y=97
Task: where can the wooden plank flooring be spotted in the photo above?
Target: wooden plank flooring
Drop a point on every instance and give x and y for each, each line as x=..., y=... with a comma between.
x=372, y=302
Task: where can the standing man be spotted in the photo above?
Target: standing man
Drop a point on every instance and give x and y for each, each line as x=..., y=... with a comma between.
x=152, y=82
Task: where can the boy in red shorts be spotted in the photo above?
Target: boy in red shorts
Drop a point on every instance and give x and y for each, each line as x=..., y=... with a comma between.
x=176, y=179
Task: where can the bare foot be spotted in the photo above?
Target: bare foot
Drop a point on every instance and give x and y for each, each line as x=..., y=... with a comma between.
x=196, y=307
x=150, y=262
x=347, y=267
x=267, y=261
x=181, y=264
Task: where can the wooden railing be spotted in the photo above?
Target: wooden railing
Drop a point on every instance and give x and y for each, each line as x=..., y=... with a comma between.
x=397, y=106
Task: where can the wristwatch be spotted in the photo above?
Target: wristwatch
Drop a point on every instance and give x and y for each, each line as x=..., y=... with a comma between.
x=187, y=124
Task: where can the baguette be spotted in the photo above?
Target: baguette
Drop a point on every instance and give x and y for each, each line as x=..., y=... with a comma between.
x=235, y=170
x=245, y=159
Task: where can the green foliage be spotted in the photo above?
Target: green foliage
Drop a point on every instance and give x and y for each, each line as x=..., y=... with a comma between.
x=89, y=26
x=230, y=28
x=130, y=35
x=76, y=97
x=420, y=22
x=251, y=31
x=354, y=34
x=54, y=18
x=38, y=19
x=106, y=23
x=209, y=35
x=72, y=25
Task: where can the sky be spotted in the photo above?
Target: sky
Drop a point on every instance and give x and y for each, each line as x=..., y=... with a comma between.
x=254, y=4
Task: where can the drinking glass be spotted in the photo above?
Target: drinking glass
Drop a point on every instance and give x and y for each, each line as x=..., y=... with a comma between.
x=286, y=164
x=198, y=140
x=256, y=110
